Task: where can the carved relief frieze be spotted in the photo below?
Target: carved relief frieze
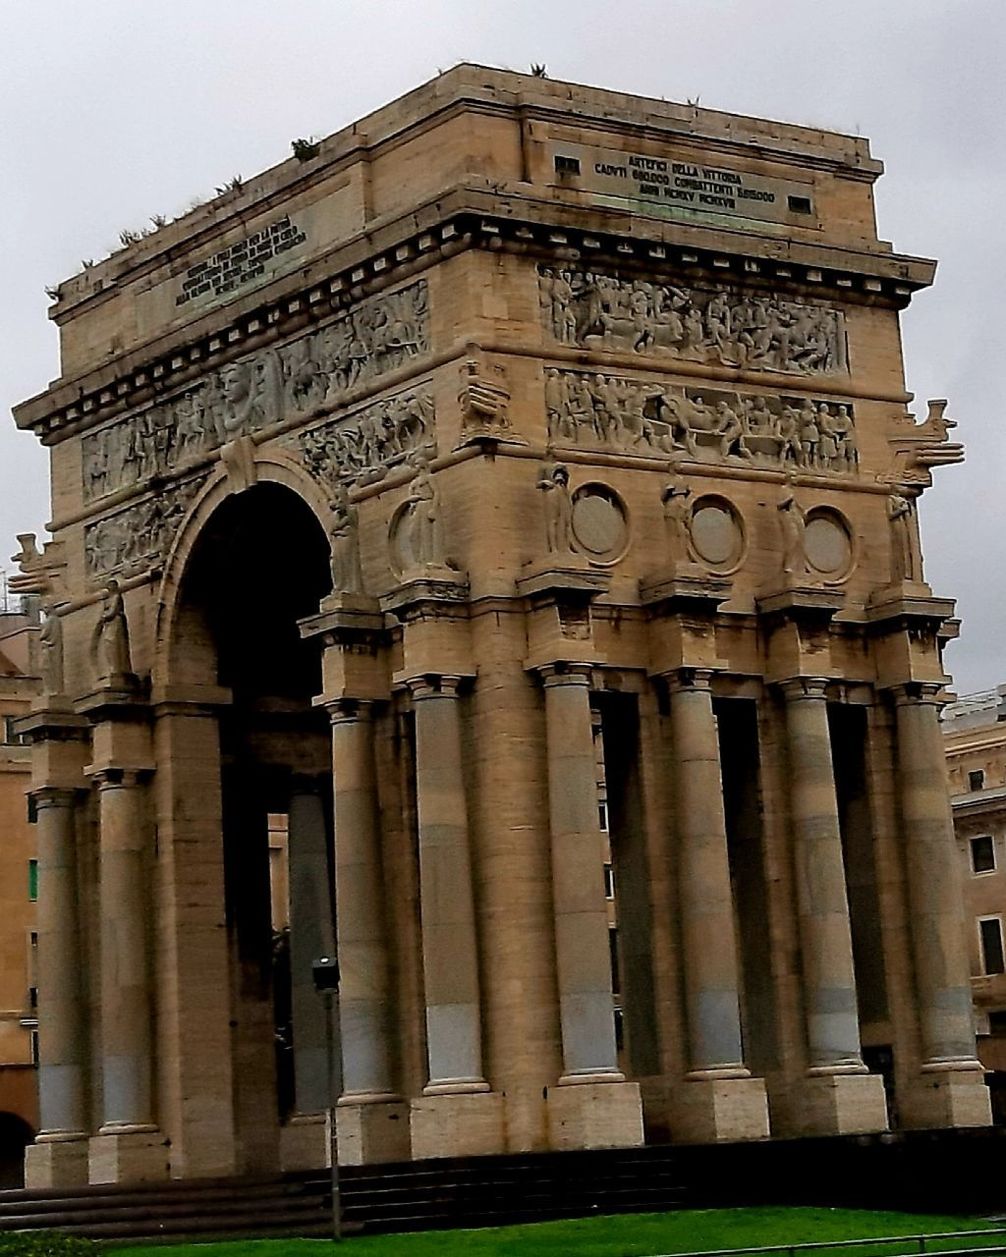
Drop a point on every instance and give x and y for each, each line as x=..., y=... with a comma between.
x=363, y=446
x=380, y=335
x=139, y=537
x=723, y=326
x=590, y=410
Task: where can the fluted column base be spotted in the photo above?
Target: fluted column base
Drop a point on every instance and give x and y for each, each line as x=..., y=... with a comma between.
x=951, y=1099
x=373, y=1132
x=594, y=1115
x=58, y=1160
x=719, y=1110
x=136, y=1154
x=829, y=1104
x=459, y=1124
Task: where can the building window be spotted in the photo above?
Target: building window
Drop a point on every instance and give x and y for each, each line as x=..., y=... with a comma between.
x=9, y=737
x=976, y=779
x=33, y=880
x=567, y=165
x=993, y=957
x=800, y=205
x=602, y=817
x=609, y=882
x=983, y=855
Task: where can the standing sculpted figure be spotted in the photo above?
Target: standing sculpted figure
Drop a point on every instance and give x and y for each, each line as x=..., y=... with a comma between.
x=793, y=524
x=110, y=644
x=677, y=505
x=344, y=538
x=427, y=533
x=906, y=559
x=554, y=484
x=50, y=640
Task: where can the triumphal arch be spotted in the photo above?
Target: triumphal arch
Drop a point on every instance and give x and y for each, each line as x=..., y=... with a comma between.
x=485, y=545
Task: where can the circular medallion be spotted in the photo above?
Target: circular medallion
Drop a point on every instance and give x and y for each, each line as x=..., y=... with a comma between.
x=400, y=540
x=600, y=528
x=827, y=543
x=716, y=533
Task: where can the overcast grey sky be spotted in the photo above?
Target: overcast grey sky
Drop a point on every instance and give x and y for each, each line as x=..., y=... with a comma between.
x=114, y=110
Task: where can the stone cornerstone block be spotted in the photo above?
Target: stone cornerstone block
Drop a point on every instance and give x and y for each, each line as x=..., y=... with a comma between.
x=469, y=1125
x=595, y=1115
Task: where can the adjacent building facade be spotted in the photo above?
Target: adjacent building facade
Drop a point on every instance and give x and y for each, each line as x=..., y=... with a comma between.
x=515, y=412
x=975, y=730
x=18, y=890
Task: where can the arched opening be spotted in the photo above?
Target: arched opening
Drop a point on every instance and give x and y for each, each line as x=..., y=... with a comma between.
x=15, y=1136
x=259, y=565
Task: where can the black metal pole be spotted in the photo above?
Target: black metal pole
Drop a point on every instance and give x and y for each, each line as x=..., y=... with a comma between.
x=333, y=1130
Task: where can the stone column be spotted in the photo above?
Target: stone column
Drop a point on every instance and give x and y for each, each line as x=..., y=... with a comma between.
x=580, y=1107
x=952, y=1091
x=450, y=946
x=839, y=1096
x=373, y=1119
x=450, y=938
x=720, y=1100
x=59, y=1156
x=128, y=1146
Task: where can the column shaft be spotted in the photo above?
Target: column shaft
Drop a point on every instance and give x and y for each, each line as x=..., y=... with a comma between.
x=829, y=984
x=125, y=970
x=581, y=920
x=704, y=891
x=361, y=917
x=62, y=1038
x=934, y=885
x=450, y=949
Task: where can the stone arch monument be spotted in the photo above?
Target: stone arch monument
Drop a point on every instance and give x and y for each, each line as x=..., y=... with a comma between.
x=474, y=550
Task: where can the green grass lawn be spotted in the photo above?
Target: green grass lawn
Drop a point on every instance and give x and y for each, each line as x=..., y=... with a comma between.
x=626, y=1235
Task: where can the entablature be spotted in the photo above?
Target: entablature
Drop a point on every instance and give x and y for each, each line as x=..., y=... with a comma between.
x=467, y=217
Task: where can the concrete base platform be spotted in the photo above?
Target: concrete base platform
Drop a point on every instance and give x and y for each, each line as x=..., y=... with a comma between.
x=465, y=1124
x=56, y=1161
x=832, y=1104
x=719, y=1110
x=951, y=1099
x=128, y=1156
x=594, y=1115
x=373, y=1133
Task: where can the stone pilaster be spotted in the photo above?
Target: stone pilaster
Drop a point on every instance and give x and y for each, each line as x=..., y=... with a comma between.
x=720, y=1100
x=59, y=1156
x=195, y=1071
x=373, y=1118
x=951, y=1090
x=586, y=1005
x=838, y=1096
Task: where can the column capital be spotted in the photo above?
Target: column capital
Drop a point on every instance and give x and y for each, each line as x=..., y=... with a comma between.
x=685, y=679
x=109, y=778
x=917, y=693
x=796, y=689
x=436, y=684
x=55, y=796
x=345, y=711
x=553, y=674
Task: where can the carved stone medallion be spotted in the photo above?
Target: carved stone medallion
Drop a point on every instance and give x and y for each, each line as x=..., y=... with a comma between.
x=600, y=528
x=716, y=533
x=827, y=544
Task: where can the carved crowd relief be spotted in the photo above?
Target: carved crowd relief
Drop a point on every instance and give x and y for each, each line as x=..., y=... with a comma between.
x=140, y=536
x=728, y=327
x=364, y=446
x=606, y=412
x=253, y=393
